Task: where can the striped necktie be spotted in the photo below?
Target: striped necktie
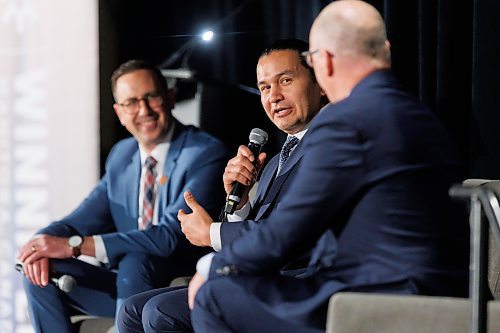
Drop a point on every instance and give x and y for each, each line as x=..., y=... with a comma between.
x=290, y=143
x=149, y=193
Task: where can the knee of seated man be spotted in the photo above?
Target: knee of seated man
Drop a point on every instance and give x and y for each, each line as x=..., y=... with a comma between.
x=221, y=290
x=40, y=295
x=134, y=270
x=136, y=263
x=129, y=309
x=207, y=295
x=160, y=318
x=128, y=316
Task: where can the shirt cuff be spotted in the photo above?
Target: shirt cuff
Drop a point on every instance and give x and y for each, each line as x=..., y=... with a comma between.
x=100, y=249
x=203, y=265
x=240, y=214
x=215, y=238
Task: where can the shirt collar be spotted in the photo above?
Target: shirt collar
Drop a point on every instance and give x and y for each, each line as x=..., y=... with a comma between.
x=300, y=134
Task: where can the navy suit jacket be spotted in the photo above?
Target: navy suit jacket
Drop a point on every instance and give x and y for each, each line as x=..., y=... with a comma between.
x=195, y=162
x=270, y=191
x=377, y=168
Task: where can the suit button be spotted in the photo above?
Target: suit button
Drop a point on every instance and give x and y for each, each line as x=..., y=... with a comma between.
x=226, y=270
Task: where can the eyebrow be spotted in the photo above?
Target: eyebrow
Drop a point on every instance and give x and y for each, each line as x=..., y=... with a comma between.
x=286, y=72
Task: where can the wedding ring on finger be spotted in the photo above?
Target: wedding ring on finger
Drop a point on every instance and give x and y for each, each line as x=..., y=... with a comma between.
x=33, y=248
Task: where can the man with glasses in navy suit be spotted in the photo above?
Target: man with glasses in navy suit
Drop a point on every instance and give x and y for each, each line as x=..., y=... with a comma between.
x=128, y=223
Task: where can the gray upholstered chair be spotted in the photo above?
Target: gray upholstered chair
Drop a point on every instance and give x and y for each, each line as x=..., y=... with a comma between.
x=89, y=324
x=374, y=313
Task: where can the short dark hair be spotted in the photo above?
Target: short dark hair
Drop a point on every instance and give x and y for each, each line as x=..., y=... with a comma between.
x=138, y=64
x=292, y=44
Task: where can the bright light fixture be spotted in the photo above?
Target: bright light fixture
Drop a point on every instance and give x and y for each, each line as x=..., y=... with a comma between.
x=207, y=35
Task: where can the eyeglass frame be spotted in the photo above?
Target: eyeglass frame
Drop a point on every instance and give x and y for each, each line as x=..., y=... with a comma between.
x=307, y=56
x=147, y=98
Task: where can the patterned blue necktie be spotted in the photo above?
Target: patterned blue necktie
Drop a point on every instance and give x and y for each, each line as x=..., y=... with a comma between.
x=149, y=197
x=290, y=142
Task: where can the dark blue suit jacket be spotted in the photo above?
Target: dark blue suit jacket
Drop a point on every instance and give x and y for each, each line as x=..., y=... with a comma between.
x=195, y=161
x=376, y=171
x=270, y=191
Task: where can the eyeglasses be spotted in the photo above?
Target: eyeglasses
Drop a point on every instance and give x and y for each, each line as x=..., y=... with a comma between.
x=132, y=105
x=307, y=55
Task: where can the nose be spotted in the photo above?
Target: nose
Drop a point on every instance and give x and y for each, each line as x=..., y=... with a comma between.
x=275, y=95
x=144, y=106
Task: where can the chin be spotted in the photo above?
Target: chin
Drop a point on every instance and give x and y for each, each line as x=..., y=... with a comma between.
x=150, y=138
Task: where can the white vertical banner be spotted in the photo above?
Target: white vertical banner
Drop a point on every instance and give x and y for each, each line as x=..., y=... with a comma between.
x=49, y=135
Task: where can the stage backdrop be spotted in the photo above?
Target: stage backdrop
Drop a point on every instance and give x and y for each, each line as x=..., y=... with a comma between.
x=48, y=126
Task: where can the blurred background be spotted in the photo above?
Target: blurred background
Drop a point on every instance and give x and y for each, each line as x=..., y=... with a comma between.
x=57, y=123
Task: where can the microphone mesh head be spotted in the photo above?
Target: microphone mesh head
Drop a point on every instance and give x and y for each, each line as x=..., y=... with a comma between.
x=66, y=283
x=258, y=136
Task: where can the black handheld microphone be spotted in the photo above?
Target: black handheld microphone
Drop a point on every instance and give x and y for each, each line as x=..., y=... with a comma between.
x=65, y=282
x=257, y=139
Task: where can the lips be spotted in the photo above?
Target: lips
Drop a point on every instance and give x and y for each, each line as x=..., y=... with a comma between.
x=148, y=123
x=282, y=112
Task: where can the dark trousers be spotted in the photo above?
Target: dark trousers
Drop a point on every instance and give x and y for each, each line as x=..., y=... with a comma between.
x=226, y=305
x=221, y=306
x=99, y=291
x=160, y=310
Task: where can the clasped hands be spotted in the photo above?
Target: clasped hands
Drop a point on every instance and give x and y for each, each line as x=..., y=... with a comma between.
x=35, y=254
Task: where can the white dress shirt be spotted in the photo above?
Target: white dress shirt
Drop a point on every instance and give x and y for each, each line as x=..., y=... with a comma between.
x=203, y=265
x=160, y=155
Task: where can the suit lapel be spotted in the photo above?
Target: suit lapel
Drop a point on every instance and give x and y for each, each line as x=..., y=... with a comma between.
x=266, y=180
x=132, y=177
x=272, y=191
x=176, y=145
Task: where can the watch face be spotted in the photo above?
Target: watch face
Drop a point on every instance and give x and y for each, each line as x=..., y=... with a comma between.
x=75, y=241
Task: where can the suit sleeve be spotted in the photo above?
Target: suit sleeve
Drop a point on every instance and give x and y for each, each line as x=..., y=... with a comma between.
x=331, y=175
x=203, y=178
x=230, y=231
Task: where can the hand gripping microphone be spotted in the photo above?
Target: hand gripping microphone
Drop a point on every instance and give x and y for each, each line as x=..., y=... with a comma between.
x=65, y=282
x=257, y=139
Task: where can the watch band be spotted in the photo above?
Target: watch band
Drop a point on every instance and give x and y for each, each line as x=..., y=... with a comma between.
x=77, y=251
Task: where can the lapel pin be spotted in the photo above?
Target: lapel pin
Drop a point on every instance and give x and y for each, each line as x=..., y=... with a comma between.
x=163, y=180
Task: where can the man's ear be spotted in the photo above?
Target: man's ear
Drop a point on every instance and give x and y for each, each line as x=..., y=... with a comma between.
x=116, y=107
x=329, y=63
x=387, y=48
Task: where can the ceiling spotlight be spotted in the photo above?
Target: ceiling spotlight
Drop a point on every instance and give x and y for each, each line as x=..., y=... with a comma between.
x=207, y=35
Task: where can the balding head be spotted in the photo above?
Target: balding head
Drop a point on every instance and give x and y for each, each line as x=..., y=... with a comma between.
x=352, y=28
x=348, y=42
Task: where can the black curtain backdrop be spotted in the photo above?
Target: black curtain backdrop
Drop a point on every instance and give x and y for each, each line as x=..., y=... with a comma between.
x=445, y=52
